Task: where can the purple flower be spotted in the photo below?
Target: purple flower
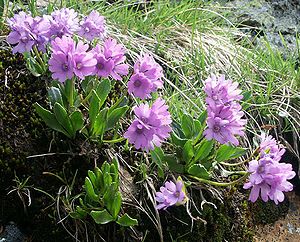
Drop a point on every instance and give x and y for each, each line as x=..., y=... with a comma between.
x=69, y=58
x=61, y=62
x=162, y=132
x=83, y=61
x=170, y=194
x=154, y=121
x=104, y=66
x=61, y=66
x=93, y=26
x=147, y=77
x=223, y=110
x=110, y=60
x=223, y=124
x=116, y=52
x=63, y=22
x=21, y=32
x=40, y=29
x=64, y=44
x=151, y=69
x=268, y=178
x=269, y=146
x=140, y=86
x=139, y=135
x=221, y=91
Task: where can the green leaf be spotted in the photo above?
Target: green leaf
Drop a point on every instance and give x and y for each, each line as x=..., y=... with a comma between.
x=99, y=180
x=157, y=156
x=121, y=102
x=87, y=84
x=63, y=118
x=114, y=170
x=92, y=177
x=202, y=118
x=77, y=120
x=100, y=123
x=101, y=217
x=114, y=116
x=227, y=152
x=79, y=213
x=68, y=90
x=1, y=10
x=198, y=132
x=199, y=170
x=90, y=190
x=187, y=125
x=115, y=205
x=173, y=164
x=94, y=108
x=110, y=197
x=126, y=220
x=54, y=95
x=50, y=119
x=177, y=140
x=107, y=179
x=203, y=149
x=103, y=90
x=188, y=151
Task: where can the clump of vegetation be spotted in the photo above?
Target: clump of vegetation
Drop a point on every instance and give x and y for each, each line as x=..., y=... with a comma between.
x=96, y=170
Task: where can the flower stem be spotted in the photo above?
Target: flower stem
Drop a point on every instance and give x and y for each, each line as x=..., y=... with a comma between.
x=222, y=184
x=39, y=59
x=114, y=140
x=242, y=162
x=71, y=93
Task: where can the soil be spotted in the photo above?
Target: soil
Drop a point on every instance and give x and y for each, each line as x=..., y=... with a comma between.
x=286, y=229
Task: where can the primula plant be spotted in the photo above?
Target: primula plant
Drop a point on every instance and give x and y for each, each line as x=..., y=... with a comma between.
x=86, y=67
x=102, y=198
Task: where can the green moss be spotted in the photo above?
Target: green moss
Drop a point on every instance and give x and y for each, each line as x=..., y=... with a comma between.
x=269, y=212
x=231, y=221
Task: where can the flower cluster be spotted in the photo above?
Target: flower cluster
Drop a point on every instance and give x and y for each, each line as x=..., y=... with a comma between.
x=69, y=59
x=110, y=60
x=147, y=77
x=63, y=22
x=170, y=194
x=92, y=26
x=223, y=110
x=268, y=177
x=151, y=125
x=27, y=31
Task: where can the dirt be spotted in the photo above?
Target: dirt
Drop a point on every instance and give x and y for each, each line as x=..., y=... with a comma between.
x=284, y=229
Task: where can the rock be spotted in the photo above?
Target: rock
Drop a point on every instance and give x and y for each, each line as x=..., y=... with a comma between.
x=12, y=234
x=269, y=18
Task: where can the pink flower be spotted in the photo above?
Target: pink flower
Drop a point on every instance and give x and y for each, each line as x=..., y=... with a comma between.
x=110, y=60
x=150, y=127
x=151, y=69
x=269, y=146
x=83, y=61
x=170, y=194
x=104, y=66
x=63, y=22
x=69, y=59
x=268, y=177
x=139, y=135
x=140, y=86
x=92, y=26
x=223, y=110
x=21, y=34
x=147, y=77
